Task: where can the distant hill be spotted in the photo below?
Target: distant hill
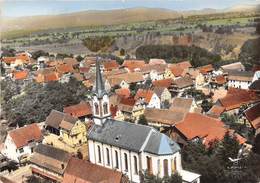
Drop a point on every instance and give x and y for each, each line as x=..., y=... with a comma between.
x=88, y=18
x=103, y=17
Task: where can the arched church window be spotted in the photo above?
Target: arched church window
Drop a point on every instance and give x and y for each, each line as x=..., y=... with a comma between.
x=117, y=162
x=96, y=109
x=135, y=165
x=99, y=154
x=108, y=157
x=105, y=108
x=165, y=167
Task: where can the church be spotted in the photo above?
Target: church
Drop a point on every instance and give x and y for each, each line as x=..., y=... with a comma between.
x=128, y=147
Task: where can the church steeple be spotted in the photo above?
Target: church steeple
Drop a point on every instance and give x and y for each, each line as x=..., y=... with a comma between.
x=99, y=89
x=100, y=100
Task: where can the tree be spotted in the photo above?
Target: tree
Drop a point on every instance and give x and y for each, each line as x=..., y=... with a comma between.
x=206, y=105
x=102, y=43
x=256, y=147
x=37, y=101
x=37, y=54
x=228, y=148
x=79, y=58
x=142, y=120
x=174, y=178
x=122, y=51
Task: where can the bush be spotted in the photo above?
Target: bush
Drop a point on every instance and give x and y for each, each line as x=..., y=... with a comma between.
x=96, y=44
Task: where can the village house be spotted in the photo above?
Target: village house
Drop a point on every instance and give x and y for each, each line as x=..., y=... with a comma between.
x=42, y=62
x=20, y=143
x=125, y=80
x=123, y=92
x=148, y=98
x=49, y=162
x=240, y=79
x=81, y=111
x=156, y=61
x=237, y=66
x=130, y=108
x=167, y=83
x=218, y=81
x=182, y=84
x=133, y=65
x=163, y=118
x=163, y=94
x=130, y=148
x=196, y=127
x=65, y=132
x=183, y=104
x=237, y=99
x=206, y=70
x=20, y=60
x=110, y=65
x=83, y=171
x=252, y=114
x=46, y=75
x=196, y=76
x=22, y=75
x=153, y=72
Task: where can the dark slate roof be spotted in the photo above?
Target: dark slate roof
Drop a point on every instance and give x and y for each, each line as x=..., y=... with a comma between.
x=132, y=137
x=255, y=85
x=52, y=152
x=161, y=144
x=99, y=88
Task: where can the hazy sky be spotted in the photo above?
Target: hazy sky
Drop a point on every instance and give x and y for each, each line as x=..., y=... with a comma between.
x=15, y=8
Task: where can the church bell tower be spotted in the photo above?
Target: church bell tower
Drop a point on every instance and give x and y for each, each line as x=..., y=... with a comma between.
x=100, y=99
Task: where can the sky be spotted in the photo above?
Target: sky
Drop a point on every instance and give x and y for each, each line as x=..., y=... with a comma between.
x=18, y=8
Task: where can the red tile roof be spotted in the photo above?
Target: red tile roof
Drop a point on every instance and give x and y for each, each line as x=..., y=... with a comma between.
x=220, y=80
x=206, y=68
x=23, y=57
x=123, y=92
x=163, y=83
x=184, y=64
x=133, y=64
x=64, y=68
x=197, y=125
x=79, y=110
x=8, y=60
x=144, y=94
x=22, y=136
x=110, y=65
x=253, y=115
x=176, y=70
x=47, y=77
x=76, y=173
x=238, y=97
x=128, y=101
x=20, y=75
x=216, y=111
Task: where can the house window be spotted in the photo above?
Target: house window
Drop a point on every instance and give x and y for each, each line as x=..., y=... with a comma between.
x=96, y=109
x=99, y=154
x=126, y=162
x=108, y=158
x=117, y=163
x=105, y=108
x=135, y=165
x=21, y=150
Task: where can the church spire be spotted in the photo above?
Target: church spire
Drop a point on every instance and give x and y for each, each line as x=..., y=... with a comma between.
x=100, y=87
